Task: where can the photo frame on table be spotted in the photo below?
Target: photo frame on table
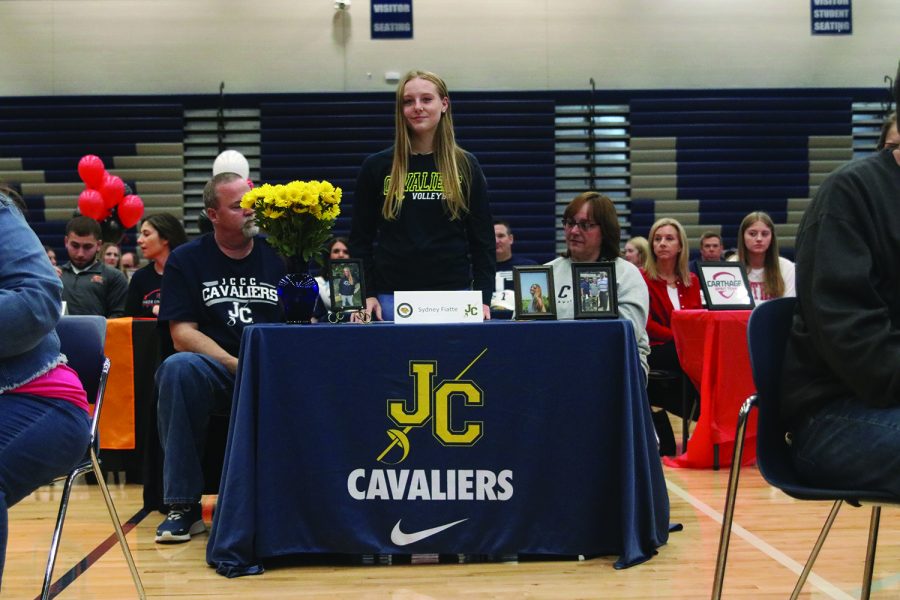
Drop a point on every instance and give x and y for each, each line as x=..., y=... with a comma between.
x=594, y=287
x=347, y=285
x=535, y=295
x=725, y=286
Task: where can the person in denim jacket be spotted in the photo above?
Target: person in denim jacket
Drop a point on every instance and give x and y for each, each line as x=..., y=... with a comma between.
x=44, y=423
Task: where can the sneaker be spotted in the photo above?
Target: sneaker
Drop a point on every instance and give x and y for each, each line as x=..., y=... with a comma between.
x=183, y=521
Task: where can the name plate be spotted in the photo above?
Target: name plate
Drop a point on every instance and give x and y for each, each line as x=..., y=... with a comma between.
x=437, y=307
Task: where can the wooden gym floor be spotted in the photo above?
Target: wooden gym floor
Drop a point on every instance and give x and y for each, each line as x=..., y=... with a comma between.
x=770, y=542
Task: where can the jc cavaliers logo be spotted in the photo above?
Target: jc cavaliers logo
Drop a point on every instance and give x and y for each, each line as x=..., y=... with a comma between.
x=439, y=404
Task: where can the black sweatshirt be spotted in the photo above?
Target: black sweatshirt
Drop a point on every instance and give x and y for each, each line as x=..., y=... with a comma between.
x=845, y=338
x=422, y=249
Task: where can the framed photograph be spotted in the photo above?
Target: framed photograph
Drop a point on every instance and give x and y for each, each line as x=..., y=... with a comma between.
x=595, y=290
x=534, y=292
x=348, y=290
x=725, y=286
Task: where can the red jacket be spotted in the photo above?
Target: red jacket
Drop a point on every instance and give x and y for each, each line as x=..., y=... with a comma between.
x=659, y=322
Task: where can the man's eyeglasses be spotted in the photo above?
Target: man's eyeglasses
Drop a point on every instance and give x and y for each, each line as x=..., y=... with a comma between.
x=584, y=226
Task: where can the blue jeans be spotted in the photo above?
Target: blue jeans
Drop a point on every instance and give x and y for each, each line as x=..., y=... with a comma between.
x=847, y=445
x=191, y=388
x=40, y=440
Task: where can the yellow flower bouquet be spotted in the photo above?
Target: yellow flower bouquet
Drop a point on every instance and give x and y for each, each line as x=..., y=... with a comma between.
x=298, y=216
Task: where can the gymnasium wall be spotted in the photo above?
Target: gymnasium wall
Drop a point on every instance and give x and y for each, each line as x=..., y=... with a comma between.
x=71, y=47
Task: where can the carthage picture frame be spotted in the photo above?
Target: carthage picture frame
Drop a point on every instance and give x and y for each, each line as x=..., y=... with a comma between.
x=725, y=286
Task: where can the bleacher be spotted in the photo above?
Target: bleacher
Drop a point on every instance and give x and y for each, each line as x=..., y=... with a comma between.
x=709, y=161
x=706, y=160
x=42, y=140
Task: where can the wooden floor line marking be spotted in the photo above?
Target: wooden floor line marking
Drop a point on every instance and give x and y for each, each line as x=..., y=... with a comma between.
x=878, y=585
x=94, y=555
x=828, y=588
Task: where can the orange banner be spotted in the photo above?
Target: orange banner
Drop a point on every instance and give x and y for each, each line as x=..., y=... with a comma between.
x=117, y=420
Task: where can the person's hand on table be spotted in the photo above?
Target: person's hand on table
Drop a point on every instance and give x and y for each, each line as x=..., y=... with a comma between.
x=486, y=310
x=372, y=311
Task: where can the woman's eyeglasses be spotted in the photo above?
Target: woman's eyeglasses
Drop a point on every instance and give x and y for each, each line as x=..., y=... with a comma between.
x=584, y=226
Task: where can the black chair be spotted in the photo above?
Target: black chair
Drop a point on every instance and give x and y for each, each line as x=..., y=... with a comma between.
x=82, y=339
x=689, y=400
x=767, y=334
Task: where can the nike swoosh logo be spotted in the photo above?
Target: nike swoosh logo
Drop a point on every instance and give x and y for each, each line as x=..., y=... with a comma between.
x=398, y=538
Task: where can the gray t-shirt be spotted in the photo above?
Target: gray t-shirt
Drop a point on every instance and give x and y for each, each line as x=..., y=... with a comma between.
x=631, y=295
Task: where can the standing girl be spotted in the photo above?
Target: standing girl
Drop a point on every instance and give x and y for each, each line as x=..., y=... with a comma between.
x=421, y=219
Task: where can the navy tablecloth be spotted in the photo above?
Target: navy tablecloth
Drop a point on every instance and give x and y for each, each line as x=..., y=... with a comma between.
x=494, y=438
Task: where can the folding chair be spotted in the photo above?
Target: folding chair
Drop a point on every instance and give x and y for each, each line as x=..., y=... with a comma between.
x=82, y=339
x=767, y=334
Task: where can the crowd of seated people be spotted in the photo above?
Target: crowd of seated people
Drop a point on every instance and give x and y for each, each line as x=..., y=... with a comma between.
x=444, y=243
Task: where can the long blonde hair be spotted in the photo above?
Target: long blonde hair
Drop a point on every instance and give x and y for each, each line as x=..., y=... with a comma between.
x=642, y=246
x=449, y=158
x=681, y=264
x=773, y=282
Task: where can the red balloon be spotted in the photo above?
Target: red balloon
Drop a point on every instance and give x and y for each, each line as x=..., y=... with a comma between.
x=113, y=190
x=91, y=171
x=90, y=204
x=131, y=208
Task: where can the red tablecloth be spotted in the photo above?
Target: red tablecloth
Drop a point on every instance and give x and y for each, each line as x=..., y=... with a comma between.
x=712, y=350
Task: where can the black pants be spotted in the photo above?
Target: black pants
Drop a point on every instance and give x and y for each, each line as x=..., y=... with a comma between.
x=667, y=392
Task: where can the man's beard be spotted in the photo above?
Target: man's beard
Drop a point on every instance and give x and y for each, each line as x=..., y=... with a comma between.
x=250, y=228
x=83, y=264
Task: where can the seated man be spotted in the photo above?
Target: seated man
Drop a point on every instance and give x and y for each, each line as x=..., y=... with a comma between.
x=212, y=288
x=710, y=250
x=841, y=382
x=90, y=287
x=128, y=262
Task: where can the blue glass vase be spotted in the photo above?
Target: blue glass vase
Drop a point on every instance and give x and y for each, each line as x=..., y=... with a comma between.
x=298, y=294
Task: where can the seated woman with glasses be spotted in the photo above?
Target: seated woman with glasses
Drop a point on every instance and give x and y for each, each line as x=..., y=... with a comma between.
x=672, y=287
x=591, y=227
